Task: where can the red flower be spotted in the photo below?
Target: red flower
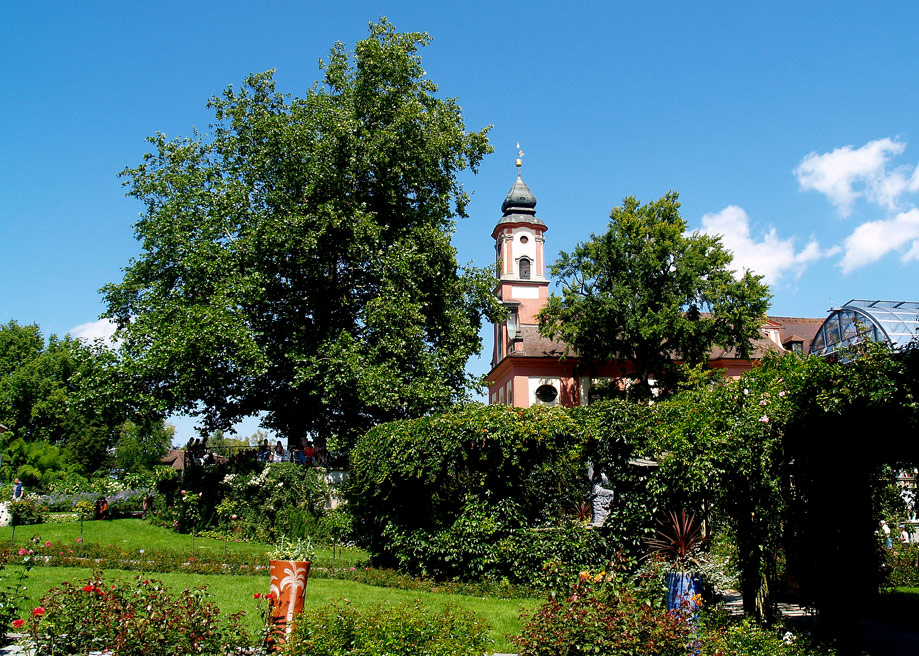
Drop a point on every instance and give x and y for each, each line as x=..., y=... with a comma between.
x=271, y=596
x=18, y=623
x=257, y=595
x=88, y=588
x=47, y=544
x=38, y=611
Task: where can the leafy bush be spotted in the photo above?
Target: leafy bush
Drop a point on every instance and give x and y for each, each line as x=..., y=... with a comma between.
x=487, y=492
x=606, y=614
x=901, y=565
x=28, y=510
x=489, y=544
x=395, y=630
x=612, y=614
x=139, y=618
x=276, y=499
x=745, y=637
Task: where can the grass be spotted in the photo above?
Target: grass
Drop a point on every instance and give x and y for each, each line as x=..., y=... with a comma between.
x=137, y=534
x=235, y=593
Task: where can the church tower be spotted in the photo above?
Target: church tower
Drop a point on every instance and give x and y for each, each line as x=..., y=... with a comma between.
x=520, y=254
x=525, y=367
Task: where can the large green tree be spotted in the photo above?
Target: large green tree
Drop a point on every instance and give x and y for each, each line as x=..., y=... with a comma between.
x=648, y=293
x=297, y=261
x=56, y=393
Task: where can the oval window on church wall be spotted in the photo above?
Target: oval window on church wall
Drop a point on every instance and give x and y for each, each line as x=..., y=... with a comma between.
x=524, y=269
x=546, y=393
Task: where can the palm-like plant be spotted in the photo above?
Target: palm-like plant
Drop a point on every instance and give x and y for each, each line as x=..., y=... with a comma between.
x=678, y=539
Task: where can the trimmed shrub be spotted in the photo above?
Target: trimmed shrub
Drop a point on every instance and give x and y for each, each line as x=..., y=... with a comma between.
x=491, y=492
x=28, y=510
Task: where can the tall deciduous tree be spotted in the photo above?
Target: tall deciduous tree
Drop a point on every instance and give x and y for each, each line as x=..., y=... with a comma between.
x=55, y=393
x=647, y=292
x=297, y=262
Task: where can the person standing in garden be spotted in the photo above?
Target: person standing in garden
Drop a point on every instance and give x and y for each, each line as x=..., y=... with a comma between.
x=885, y=530
x=17, y=489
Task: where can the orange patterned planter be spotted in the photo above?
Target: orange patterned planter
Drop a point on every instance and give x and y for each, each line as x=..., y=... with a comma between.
x=288, y=583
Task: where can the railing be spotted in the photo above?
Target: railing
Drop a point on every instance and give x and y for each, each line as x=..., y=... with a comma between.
x=226, y=454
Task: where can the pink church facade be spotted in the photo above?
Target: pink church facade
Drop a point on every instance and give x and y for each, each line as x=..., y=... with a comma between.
x=527, y=369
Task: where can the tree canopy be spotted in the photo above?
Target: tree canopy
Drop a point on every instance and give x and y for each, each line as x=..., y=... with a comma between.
x=648, y=293
x=57, y=398
x=297, y=261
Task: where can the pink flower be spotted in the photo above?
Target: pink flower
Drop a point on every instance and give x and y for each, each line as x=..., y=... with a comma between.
x=352, y=569
x=47, y=544
x=79, y=540
x=764, y=402
x=764, y=419
x=18, y=623
x=60, y=553
x=782, y=393
x=22, y=551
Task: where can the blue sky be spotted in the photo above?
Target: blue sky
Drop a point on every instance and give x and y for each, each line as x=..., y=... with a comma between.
x=789, y=128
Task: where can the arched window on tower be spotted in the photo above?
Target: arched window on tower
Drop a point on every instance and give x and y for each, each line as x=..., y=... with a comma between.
x=524, y=268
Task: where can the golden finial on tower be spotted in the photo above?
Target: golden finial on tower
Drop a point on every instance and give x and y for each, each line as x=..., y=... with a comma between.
x=519, y=156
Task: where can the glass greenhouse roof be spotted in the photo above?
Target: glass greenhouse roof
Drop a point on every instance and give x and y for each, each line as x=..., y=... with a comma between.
x=893, y=322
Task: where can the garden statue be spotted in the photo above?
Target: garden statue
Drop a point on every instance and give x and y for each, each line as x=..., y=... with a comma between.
x=601, y=494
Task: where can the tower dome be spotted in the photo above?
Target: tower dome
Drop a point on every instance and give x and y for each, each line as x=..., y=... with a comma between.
x=519, y=205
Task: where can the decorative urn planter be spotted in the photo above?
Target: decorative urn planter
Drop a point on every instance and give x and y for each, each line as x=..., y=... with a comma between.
x=682, y=588
x=288, y=584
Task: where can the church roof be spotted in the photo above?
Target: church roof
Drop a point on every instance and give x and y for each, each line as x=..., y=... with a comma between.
x=519, y=205
x=536, y=345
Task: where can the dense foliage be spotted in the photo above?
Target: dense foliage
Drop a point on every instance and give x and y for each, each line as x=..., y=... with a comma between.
x=613, y=613
x=297, y=261
x=491, y=492
x=63, y=409
x=647, y=293
x=128, y=618
x=250, y=500
x=395, y=630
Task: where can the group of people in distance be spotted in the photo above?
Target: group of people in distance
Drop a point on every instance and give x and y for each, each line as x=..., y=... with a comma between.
x=198, y=451
x=885, y=533
x=306, y=453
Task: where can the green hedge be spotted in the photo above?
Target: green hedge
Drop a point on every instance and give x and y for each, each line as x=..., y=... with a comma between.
x=491, y=492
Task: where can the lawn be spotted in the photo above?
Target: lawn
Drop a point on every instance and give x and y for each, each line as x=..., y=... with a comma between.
x=235, y=593
x=137, y=534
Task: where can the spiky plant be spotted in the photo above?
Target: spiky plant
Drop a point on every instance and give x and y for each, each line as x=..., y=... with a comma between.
x=678, y=539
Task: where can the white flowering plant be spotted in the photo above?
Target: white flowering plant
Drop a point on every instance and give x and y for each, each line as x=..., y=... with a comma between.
x=286, y=549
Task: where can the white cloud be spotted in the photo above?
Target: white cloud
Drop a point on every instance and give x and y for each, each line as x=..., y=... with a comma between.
x=771, y=256
x=847, y=174
x=103, y=328
x=871, y=241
